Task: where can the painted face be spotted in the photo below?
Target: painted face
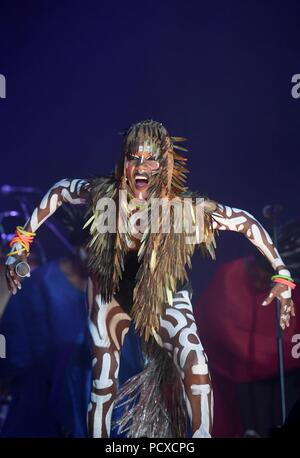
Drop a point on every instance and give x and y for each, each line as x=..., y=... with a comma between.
x=140, y=166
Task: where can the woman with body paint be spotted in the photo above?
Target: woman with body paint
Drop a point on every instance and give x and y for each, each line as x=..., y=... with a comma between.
x=140, y=274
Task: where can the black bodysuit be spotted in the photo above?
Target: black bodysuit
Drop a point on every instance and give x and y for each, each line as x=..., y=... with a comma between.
x=126, y=286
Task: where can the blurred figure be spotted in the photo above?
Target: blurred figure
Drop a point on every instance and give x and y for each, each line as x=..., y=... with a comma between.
x=240, y=337
x=4, y=292
x=48, y=362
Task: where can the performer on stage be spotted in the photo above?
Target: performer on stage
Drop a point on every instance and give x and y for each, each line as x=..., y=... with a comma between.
x=140, y=274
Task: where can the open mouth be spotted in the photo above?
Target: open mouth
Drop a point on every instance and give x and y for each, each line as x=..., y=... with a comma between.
x=141, y=181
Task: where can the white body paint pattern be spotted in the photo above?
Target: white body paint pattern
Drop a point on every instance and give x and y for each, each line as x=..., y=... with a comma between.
x=71, y=191
x=180, y=338
x=178, y=335
x=67, y=190
x=234, y=219
x=108, y=326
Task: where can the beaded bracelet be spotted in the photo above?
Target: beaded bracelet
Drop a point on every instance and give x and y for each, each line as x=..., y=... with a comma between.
x=23, y=238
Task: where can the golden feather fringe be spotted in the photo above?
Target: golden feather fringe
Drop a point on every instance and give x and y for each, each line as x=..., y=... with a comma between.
x=163, y=257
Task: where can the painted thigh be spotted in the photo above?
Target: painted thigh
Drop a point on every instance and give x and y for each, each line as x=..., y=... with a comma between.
x=108, y=326
x=179, y=336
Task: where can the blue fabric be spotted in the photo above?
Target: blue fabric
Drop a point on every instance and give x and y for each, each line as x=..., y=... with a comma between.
x=48, y=359
x=48, y=364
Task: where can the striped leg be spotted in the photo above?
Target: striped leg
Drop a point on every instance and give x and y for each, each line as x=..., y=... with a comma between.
x=179, y=336
x=108, y=326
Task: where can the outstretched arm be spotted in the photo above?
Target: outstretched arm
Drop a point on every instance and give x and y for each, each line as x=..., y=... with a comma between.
x=234, y=219
x=74, y=191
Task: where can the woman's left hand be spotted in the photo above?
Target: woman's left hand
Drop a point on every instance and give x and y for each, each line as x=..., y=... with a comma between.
x=287, y=309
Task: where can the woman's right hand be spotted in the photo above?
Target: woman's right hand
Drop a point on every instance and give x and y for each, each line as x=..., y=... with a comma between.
x=12, y=278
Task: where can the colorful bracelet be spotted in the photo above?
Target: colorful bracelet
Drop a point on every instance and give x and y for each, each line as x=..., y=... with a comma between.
x=23, y=238
x=286, y=277
x=283, y=281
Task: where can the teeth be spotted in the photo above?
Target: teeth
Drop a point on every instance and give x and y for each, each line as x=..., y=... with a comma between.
x=138, y=177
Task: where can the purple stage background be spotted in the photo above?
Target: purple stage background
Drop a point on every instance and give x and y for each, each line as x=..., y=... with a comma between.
x=219, y=73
